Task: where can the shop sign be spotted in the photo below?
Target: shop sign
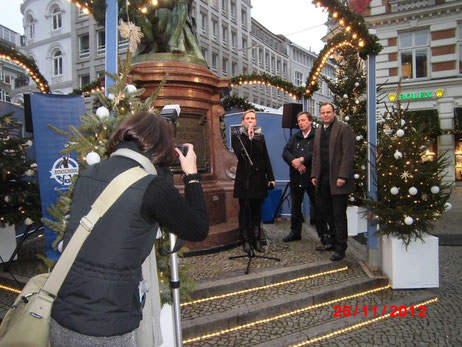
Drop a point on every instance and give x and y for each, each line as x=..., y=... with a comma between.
x=417, y=95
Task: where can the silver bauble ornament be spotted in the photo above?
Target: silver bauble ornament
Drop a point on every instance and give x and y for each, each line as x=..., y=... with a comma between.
x=92, y=158
x=102, y=112
x=394, y=190
x=130, y=88
x=400, y=132
x=435, y=189
x=408, y=220
x=413, y=190
x=398, y=155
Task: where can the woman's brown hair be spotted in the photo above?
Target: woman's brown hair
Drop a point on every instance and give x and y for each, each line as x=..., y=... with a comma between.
x=150, y=132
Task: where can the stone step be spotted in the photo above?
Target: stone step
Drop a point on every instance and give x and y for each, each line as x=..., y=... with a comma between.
x=231, y=311
x=315, y=321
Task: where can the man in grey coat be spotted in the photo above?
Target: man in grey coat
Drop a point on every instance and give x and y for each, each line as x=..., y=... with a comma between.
x=332, y=175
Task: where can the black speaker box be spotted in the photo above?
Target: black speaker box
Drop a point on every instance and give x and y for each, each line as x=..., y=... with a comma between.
x=28, y=114
x=289, y=115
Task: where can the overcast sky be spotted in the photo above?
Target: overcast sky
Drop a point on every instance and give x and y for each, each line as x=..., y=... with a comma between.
x=298, y=20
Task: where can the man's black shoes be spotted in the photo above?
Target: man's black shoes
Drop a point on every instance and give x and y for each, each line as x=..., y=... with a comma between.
x=292, y=237
x=339, y=255
x=324, y=248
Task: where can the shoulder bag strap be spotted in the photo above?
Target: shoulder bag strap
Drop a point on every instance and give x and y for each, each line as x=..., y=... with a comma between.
x=109, y=195
x=141, y=159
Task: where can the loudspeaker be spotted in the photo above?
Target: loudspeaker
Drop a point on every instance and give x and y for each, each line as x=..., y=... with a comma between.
x=28, y=114
x=289, y=115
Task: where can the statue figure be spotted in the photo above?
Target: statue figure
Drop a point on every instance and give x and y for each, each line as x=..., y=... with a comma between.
x=169, y=28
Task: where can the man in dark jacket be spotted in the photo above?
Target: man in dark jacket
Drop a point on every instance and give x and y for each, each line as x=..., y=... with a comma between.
x=332, y=174
x=298, y=154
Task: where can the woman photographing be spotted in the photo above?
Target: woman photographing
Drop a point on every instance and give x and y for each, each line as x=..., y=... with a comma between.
x=254, y=176
x=100, y=302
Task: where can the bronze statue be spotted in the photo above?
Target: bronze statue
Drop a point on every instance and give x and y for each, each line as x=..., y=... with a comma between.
x=169, y=28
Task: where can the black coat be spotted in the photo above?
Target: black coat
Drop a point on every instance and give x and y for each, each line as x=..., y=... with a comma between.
x=299, y=146
x=251, y=180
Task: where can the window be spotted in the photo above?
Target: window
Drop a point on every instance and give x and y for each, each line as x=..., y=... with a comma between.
x=233, y=11
x=244, y=47
x=214, y=61
x=56, y=18
x=57, y=63
x=84, y=46
x=225, y=66
x=101, y=42
x=278, y=67
x=204, y=53
x=233, y=69
x=30, y=26
x=213, y=3
x=414, y=52
x=244, y=18
x=203, y=17
x=284, y=69
x=224, y=7
x=224, y=35
x=260, y=57
x=233, y=39
x=8, y=79
x=84, y=80
x=214, y=28
x=310, y=103
x=254, y=55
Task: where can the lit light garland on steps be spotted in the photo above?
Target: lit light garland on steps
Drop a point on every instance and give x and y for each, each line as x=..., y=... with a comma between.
x=263, y=321
x=264, y=287
x=10, y=289
x=358, y=325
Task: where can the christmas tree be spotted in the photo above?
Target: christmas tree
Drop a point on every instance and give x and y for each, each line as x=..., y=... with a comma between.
x=349, y=92
x=411, y=191
x=89, y=141
x=19, y=194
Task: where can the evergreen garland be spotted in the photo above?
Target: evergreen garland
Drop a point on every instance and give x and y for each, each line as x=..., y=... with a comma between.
x=8, y=52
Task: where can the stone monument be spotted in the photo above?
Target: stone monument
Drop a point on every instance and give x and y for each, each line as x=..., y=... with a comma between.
x=198, y=92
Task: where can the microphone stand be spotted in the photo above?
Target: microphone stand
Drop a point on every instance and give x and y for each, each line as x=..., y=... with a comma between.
x=251, y=254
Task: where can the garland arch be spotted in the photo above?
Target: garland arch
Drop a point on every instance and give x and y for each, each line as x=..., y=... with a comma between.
x=11, y=54
x=355, y=34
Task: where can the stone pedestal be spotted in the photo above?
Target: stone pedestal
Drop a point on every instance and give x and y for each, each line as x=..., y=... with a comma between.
x=197, y=90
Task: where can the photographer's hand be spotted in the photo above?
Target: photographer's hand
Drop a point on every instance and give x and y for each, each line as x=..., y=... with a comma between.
x=188, y=162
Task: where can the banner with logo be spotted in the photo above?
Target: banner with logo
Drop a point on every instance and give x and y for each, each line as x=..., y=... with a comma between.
x=54, y=169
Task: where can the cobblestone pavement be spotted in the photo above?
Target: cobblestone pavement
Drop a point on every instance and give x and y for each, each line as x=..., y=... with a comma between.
x=441, y=327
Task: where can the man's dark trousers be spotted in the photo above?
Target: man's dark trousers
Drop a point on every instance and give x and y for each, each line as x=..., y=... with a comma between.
x=297, y=194
x=332, y=208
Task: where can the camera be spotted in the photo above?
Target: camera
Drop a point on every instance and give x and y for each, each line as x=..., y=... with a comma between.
x=183, y=149
x=171, y=112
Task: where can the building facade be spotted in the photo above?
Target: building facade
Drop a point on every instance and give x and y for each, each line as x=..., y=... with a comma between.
x=422, y=42
x=69, y=48
x=11, y=75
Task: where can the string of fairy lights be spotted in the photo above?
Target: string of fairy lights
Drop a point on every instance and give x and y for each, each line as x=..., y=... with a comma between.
x=278, y=284
x=354, y=33
x=284, y=315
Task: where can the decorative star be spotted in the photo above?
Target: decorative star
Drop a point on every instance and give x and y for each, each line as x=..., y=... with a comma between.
x=424, y=197
x=118, y=98
x=132, y=32
x=405, y=175
x=7, y=120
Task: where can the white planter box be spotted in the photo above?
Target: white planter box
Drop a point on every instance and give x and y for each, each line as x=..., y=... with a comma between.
x=356, y=222
x=416, y=267
x=7, y=243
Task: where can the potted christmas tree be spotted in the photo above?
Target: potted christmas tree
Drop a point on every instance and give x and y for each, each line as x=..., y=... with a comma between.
x=412, y=194
x=19, y=195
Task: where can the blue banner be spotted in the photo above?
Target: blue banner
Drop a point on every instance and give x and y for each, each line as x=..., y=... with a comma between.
x=54, y=169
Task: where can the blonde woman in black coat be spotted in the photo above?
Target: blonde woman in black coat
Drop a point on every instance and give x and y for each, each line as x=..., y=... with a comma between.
x=254, y=175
